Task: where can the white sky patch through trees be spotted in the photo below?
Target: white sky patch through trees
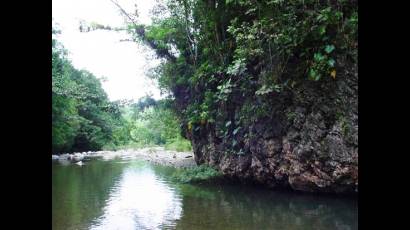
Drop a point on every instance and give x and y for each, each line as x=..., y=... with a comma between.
x=122, y=64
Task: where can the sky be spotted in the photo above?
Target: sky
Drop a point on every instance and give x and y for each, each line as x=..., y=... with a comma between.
x=122, y=64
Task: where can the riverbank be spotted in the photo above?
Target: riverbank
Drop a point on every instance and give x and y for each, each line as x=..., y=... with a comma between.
x=156, y=155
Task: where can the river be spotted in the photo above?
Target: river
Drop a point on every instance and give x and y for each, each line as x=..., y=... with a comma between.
x=134, y=194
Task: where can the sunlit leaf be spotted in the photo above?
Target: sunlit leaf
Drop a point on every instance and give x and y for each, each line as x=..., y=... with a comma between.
x=329, y=48
x=333, y=74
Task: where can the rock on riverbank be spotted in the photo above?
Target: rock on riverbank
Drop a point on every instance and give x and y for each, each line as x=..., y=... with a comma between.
x=157, y=155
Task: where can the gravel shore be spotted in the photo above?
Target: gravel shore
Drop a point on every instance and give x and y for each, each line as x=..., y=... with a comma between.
x=157, y=155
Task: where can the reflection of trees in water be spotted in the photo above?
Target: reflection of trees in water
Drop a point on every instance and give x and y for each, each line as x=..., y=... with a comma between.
x=232, y=207
x=79, y=194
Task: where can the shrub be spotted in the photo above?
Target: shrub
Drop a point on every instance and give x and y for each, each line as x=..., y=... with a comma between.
x=179, y=145
x=196, y=174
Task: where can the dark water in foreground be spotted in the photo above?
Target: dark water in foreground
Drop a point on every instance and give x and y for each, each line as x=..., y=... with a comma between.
x=119, y=194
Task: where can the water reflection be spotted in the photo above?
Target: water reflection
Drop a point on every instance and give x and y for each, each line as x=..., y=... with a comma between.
x=122, y=194
x=78, y=193
x=140, y=201
x=239, y=207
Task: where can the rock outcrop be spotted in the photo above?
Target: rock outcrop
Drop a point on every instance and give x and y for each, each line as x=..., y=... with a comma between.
x=309, y=143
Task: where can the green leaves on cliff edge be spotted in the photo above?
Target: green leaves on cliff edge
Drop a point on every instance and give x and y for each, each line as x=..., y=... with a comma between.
x=235, y=51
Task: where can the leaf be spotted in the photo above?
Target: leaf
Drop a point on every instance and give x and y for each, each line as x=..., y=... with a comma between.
x=329, y=48
x=228, y=123
x=318, y=57
x=314, y=75
x=277, y=88
x=339, y=15
x=333, y=74
x=234, y=143
x=250, y=11
x=331, y=62
x=236, y=130
x=322, y=30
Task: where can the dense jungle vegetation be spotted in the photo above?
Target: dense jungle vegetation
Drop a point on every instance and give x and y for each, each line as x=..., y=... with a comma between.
x=82, y=116
x=224, y=63
x=83, y=119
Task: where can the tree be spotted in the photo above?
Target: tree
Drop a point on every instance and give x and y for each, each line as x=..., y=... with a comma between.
x=82, y=116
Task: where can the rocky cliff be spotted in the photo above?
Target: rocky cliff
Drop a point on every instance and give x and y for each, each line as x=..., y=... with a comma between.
x=308, y=142
x=266, y=91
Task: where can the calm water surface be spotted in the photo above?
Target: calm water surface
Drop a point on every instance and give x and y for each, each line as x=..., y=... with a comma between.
x=118, y=194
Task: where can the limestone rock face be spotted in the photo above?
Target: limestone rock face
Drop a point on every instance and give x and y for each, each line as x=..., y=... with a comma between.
x=309, y=143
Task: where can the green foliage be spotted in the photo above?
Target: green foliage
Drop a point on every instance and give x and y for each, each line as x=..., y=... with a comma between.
x=230, y=51
x=322, y=63
x=152, y=123
x=179, y=144
x=82, y=116
x=196, y=174
x=224, y=90
x=291, y=116
x=224, y=62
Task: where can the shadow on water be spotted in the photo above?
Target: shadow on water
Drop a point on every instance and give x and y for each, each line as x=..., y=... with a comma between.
x=234, y=206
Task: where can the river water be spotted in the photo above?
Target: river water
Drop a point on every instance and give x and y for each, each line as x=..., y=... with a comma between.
x=118, y=194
